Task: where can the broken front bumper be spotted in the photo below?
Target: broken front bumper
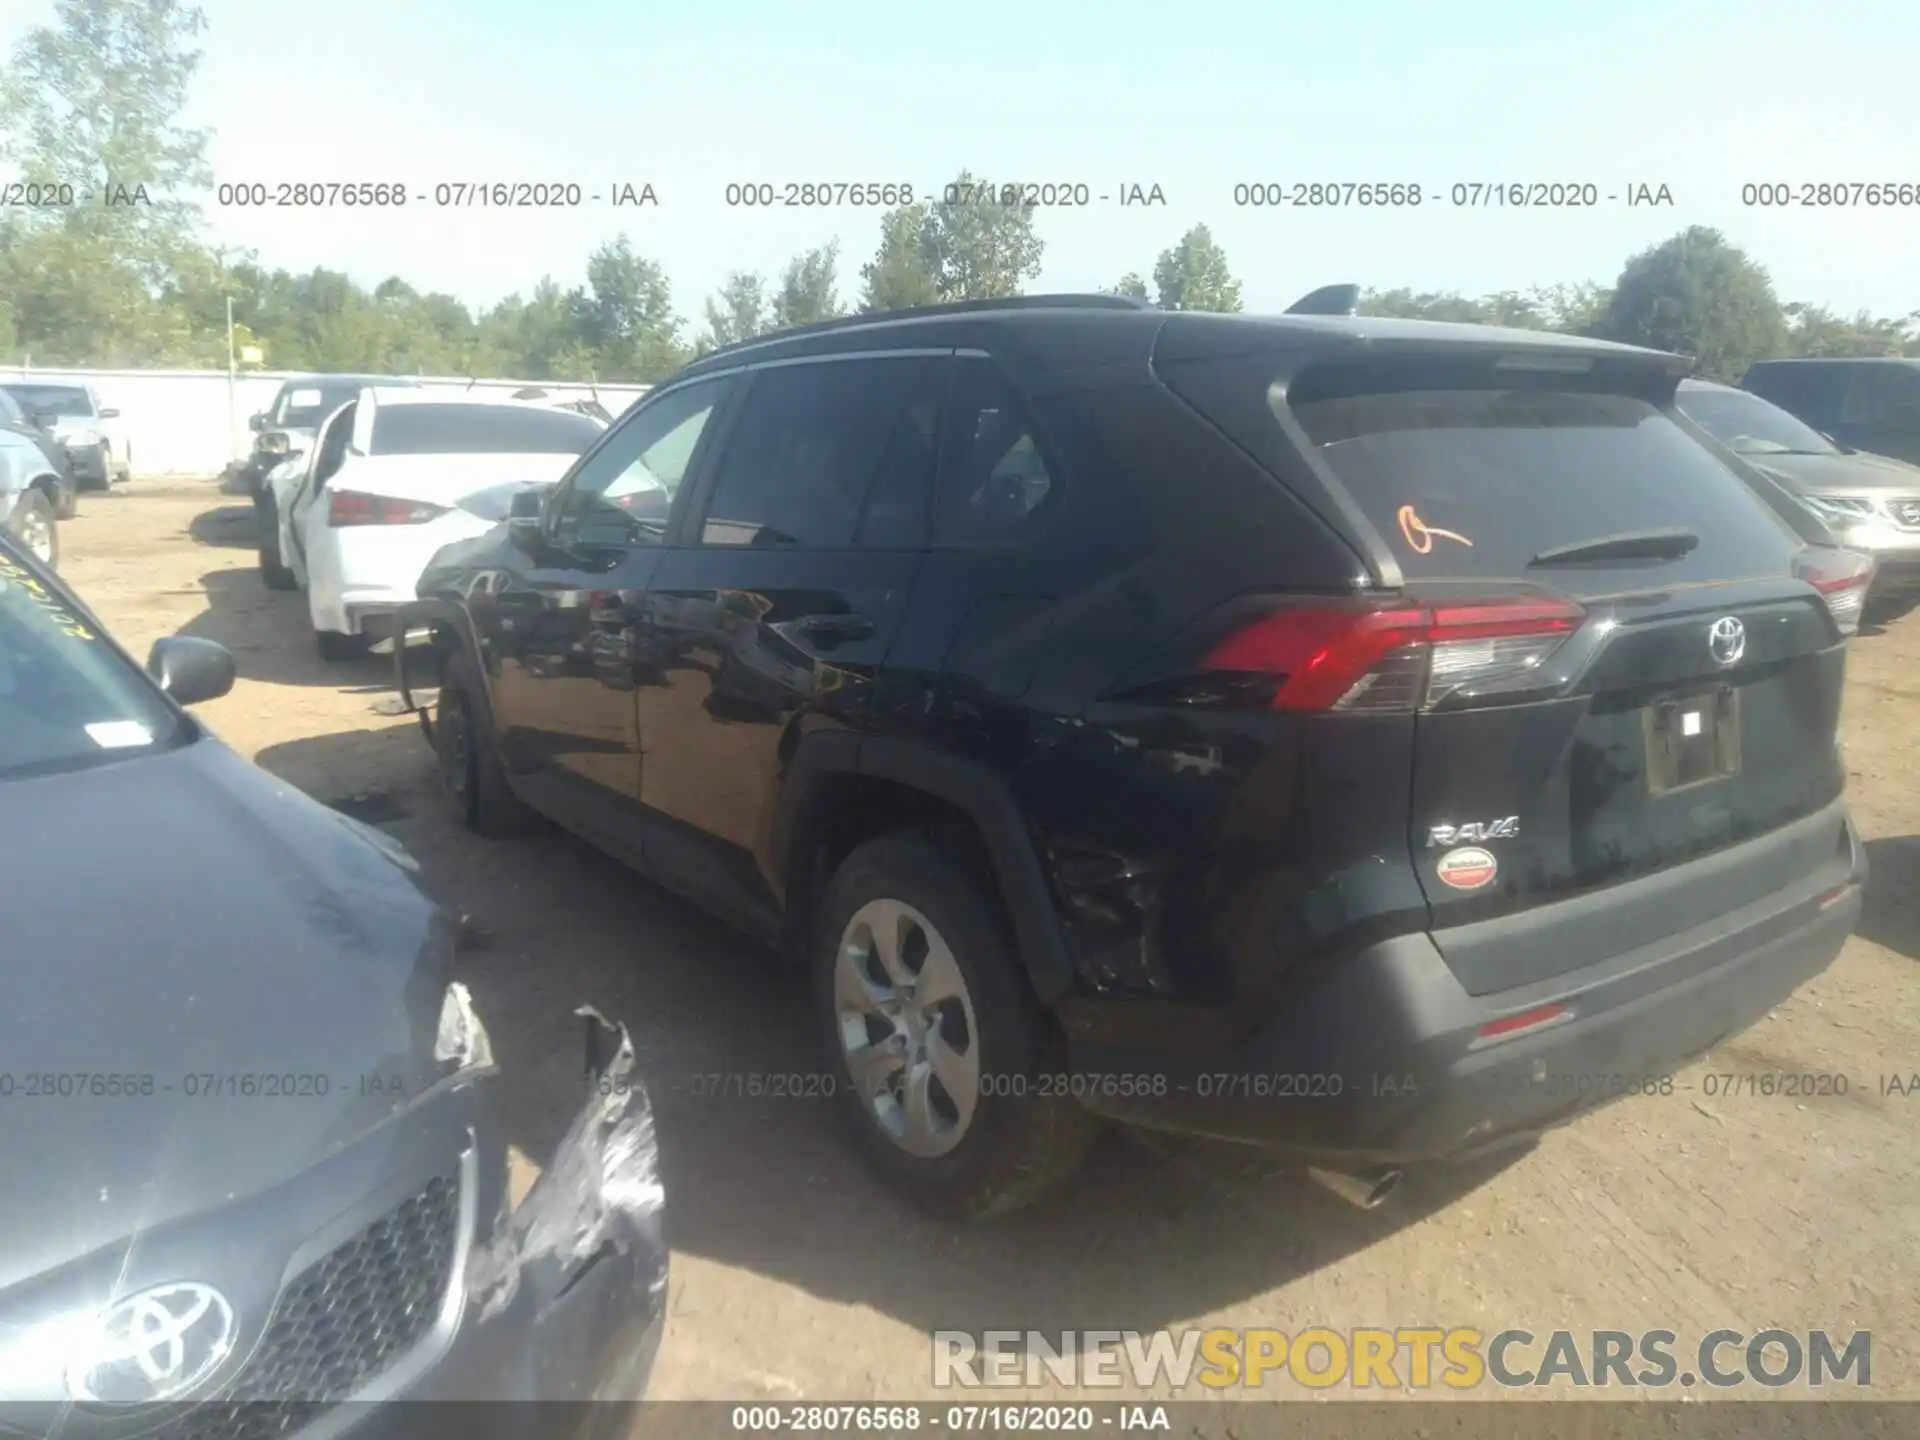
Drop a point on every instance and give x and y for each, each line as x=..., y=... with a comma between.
x=564, y=1295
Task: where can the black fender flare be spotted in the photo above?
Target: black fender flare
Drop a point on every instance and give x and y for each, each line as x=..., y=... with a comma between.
x=434, y=612
x=970, y=787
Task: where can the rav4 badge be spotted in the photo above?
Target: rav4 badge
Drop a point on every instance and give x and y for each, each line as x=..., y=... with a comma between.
x=1468, y=868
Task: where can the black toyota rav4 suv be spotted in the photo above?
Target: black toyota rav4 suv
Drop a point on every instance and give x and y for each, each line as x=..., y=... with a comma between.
x=1374, y=739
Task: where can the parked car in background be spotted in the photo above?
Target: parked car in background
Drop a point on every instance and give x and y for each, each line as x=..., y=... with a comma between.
x=398, y=473
x=59, y=465
x=1865, y=404
x=30, y=497
x=286, y=427
x=1870, y=502
x=269, y=1175
x=273, y=498
x=95, y=442
x=1324, y=732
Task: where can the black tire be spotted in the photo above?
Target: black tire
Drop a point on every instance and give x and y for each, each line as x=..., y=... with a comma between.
x=339, y=649
x=33, y=512
x=471, y=775
x=272, y=573
x=1016, y=1146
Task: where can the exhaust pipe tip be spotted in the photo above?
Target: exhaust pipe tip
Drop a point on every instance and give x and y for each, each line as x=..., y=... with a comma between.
x=1367, y=1189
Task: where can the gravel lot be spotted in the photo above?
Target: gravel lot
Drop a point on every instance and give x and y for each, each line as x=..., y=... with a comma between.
x=796, y=1276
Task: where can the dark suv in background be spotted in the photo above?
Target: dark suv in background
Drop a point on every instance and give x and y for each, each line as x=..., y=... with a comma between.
x=1371, y=738
x=1870, y=404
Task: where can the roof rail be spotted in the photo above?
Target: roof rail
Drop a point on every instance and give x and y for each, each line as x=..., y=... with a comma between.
x=951, y=307
x=1328, y=300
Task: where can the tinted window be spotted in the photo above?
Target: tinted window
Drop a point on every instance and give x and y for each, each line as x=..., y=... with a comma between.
x=1813, y=392
x=67, y=698
x=1476, y=482
x=624, y=491
x=994, y=485
x=1748, y=425
x=814, y=441
x=303, y=407
x=333, y=445
x=62, y=400
x=1880, y=395
x=480, y=430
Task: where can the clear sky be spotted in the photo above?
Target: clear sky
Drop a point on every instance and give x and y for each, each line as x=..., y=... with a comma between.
x=1194, y=97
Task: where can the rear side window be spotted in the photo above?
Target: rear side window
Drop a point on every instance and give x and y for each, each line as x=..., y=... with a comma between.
x=1470, y=473
x=995, y=488
x=480, y=430
x=814, y=441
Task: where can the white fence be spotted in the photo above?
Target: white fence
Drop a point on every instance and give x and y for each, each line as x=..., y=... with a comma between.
x=186, y=422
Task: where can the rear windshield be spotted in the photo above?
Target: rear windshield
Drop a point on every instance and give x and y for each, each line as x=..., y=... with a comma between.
x=480, y=430
x=1474, y=482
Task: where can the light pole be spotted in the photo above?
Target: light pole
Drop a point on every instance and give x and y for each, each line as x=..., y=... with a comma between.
x=233, y=417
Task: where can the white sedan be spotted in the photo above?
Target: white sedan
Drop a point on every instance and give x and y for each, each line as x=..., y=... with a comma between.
x=394, y=475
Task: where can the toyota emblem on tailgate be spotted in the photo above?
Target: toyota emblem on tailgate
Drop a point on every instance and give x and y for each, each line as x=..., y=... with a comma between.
x=154, y=1346
x=1727, y=640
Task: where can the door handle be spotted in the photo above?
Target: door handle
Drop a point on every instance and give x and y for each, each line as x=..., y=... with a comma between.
x=836, y=628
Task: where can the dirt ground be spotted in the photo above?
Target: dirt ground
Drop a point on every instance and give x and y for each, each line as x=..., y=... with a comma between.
x=796, y=1276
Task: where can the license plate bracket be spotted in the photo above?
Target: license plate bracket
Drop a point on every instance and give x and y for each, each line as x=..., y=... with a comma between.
x=1692, y=739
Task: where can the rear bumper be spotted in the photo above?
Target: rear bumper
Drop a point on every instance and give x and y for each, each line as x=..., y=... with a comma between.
x=1382, y=1062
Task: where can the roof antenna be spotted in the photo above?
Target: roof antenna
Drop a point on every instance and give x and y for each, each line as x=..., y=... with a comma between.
x=1328, y=300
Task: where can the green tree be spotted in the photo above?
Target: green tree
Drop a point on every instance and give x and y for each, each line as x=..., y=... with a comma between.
x=94, y=100
x=1131, y=284
x=904, y=271
x=739, y=311
x=1699, y=295
x=980, y=251
x=966, y=248
x=1193, y=275
x=626, y=315
x=806, y=292
x=1815, y=332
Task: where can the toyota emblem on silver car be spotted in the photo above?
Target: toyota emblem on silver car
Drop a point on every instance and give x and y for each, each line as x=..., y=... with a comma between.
x=1727, y=640
x=154, y=1346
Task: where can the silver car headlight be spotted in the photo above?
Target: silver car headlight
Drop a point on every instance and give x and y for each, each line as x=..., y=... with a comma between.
x=1842, y=508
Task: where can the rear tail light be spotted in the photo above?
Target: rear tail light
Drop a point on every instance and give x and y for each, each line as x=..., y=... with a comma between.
x=1842, y=577
x=350, y=507
x=1398, y=658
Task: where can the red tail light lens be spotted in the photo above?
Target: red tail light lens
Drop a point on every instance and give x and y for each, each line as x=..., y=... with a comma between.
x=350, y=507
x=1842, y=577
x=1398, y=658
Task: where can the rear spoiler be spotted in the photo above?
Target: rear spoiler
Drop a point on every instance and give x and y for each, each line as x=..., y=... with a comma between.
x=1328, y=300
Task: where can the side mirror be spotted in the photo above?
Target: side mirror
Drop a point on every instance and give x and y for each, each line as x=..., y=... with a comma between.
x=256, y=423
x=526, y=509
x=191, y=669
x=109, y=414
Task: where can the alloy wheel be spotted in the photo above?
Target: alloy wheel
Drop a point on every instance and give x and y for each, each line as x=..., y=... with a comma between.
x=36, y=534
x=907, y=1028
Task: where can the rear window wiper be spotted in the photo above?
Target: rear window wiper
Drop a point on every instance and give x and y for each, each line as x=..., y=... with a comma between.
x=1669, y=544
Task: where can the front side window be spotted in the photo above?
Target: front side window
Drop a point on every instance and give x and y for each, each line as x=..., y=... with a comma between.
x=68, y=699
x=623, y=493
